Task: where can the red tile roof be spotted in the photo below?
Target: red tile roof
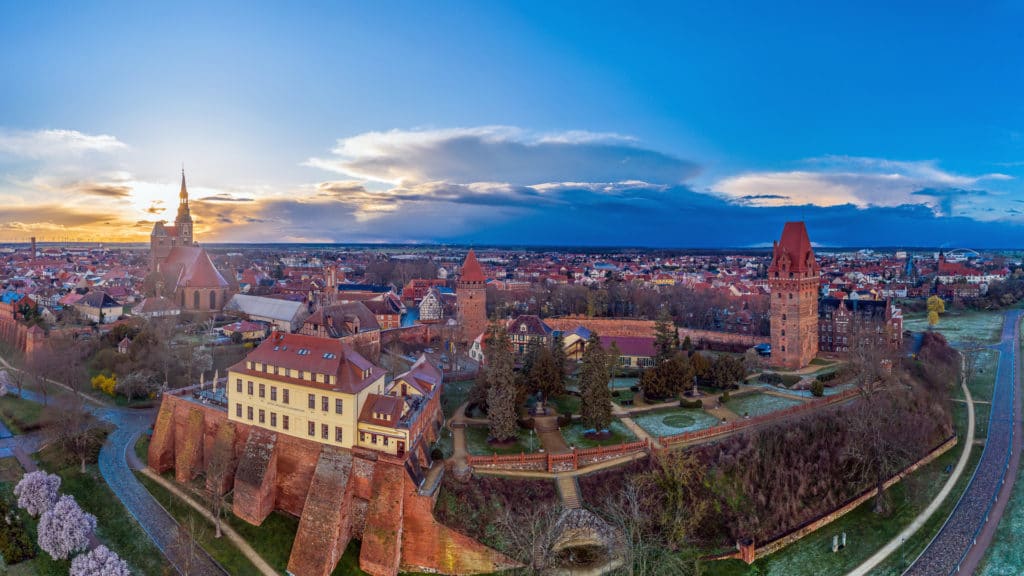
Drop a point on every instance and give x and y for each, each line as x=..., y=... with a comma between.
x=796, y=245
x=377, y=405
x=471, y=270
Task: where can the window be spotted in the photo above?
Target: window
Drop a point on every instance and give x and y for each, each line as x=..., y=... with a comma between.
x=324, y=431
x=273, y=419
x=783, y=333
x=338, y=404
x=263, y=416
x=284, y=392
x=790, y=295
x=312, y=401
x=783, y=316
x=337, y=433
x=312, y=428
x=284, y=421
x=273, y=393
x=325, y=404
x=249, y=412
x=238, y=410
x=362, y=436
x=373, y=438
x=238, y=385
x=250, y=387
x=385, y=440
x=263, y=390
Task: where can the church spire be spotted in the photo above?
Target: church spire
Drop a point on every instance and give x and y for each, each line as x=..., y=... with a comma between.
x=184, y=192
x=183, y=223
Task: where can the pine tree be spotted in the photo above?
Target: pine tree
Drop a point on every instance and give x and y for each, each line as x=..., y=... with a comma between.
x=558, y=351
x=502, y=391
x=545, y=377
x=613, y=356
x=666, y=337
x=596, y=397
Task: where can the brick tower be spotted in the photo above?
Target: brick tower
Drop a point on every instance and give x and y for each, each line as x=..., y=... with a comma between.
x=471, y=296
x=793, y=280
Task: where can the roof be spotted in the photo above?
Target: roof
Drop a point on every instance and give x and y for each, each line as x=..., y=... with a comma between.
x=794, y=249
x=377, y=405
x=272, y=308
x=154, y=304
x=641, y=346
x=316, y=355
x=534, y=325
x=191, y=266
x=344, y=319
x=422, y=375
x=471, y=270
x=98, y=300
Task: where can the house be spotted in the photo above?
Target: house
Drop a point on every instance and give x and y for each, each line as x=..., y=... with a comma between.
x=286, y=315
x=431, y=307
x=247, y=329
x=351, y=322
x=97, y=306
x=526, y=330
x=156, y=307
x=634, y=351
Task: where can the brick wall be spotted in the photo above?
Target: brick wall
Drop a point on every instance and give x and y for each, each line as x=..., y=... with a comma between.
x=324, y=528
x=712, y=337
x=604, y=326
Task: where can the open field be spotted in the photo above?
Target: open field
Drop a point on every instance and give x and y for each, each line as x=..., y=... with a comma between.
x=955, y=325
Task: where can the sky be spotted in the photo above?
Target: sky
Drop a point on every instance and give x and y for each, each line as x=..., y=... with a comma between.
x=696, y=124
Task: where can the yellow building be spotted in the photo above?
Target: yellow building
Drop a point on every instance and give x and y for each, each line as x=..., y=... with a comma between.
x=303, y=386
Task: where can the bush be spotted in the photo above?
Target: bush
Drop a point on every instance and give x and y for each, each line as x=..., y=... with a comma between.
x=818, y=388
x=525, y=423
x=634, y=388
x=696, y=403
x=15, y=544
x=724, y=397
x=770, y=378
x=106, y=384
x=564, y=420
x=436, y=455
x=615, y=394
x=826, y=376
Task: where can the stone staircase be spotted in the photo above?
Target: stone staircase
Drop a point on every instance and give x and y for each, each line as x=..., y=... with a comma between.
x=569, y=491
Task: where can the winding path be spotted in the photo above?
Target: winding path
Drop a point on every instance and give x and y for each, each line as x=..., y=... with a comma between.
x=962, y=541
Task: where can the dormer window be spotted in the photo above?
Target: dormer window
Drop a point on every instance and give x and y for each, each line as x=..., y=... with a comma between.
x=329, y=356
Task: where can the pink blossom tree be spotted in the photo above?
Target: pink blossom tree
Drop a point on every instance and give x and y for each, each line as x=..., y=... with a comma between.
x=37, y=492
x=100, y=561
x=65, y=528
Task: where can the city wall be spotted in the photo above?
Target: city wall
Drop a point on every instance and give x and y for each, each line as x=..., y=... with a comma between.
x=604, y=326
x=337, y=494
x=711, y=338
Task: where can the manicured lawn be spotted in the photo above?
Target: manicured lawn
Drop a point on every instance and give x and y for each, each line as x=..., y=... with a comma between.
x=669, y=421
x=20, y=415
x=758, y=404
x=566, y=403
x=573, y=434
x=272, y=540
x=453, y=395
x=476, y=442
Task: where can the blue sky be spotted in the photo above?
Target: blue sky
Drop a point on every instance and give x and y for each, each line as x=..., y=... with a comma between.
x=696, y=124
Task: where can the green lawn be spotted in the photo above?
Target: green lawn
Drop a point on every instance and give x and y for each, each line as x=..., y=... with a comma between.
x=623, y=395
x=566, y=403
x=142, y=447
x=20, y=415
x=453, y=395
x=573, y=434
x=476, y=442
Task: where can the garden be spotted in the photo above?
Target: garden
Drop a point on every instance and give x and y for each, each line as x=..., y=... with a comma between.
x=476, y=442
x=575, y=435
x=671, y=421
x=754, y=405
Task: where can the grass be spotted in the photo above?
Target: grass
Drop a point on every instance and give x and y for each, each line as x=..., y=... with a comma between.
x=453, y=395
x=624, y=395
x=821, y=362
x=142, y=447
x=20, y=415
x=669, y=421
x=10, y=470
x=476, y=442
x=221, y=549
x=954, y=325
x=574, y=436
x=758, y=404
x=566, y=403
x=116, y=527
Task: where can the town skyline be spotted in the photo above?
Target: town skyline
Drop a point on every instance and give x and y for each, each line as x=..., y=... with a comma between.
x=509, y=125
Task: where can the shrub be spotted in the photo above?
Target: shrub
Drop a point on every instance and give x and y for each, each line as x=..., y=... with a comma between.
x=525, y=423
x=724, y=397
x=564, y=420
x=770, y=378
x=696, y=403
x=37, y=492
x=615, y=394
x=825, y=377
x=436, y=455
x=634, y=388
x=15, y=545
x=818, y=388
x=106, y=384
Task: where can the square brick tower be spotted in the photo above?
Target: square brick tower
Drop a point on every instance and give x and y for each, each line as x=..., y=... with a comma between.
x=471, y=298
x=793, y=281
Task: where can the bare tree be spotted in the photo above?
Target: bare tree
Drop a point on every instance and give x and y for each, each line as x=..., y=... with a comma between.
x=73, y=427
x=530, y=533
x=873, y=451
x=219, y=465
x=970, y=349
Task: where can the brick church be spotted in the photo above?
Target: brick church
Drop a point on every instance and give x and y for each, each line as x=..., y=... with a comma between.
x=471, y=298
x=185, y=270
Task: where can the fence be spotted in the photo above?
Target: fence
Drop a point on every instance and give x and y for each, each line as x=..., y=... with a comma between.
x=695, y=435
x=567, y=462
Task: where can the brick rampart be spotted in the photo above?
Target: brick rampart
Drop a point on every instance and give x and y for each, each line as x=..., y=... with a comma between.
x=604, y=326
x=256, y=477
x=324, y=528
x=380, y=554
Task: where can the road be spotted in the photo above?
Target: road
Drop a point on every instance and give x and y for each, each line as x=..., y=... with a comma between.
x=962, y=541
x=177, y=546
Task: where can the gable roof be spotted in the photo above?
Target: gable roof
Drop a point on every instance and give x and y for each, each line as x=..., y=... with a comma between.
x=377, y=405
x=471, y=270
x=422, y=375
x=315, y=355
x=191, y=266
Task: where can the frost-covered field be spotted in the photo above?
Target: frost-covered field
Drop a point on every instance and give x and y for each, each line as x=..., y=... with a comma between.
x=955, y=325
x=669, y=421
x=758, y=404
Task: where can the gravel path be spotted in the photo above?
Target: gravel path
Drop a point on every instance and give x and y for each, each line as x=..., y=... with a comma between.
x=946, y=552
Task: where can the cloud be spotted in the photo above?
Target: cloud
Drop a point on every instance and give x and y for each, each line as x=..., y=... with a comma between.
x=499, y=154
x=105, y=190
x=860, y=181
x=41, y=144
x=223, y=198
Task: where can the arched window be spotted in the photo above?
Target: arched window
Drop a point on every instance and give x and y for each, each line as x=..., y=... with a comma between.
x=213, y=300
x=195, y=299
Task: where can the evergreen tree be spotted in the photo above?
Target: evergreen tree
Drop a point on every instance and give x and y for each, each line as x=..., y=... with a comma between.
x=666, y=337
x=613, y=357
x=596, y=397
x=545, y=377
x=558, y=351
x=502, y=391
x=687, y=344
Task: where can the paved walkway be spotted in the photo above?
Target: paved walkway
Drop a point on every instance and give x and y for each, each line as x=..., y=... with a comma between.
x=113, y=464
x=963, y=539
x=915, y=525
x=550, y=435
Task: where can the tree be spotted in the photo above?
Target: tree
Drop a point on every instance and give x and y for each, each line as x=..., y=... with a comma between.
x=701, y=366
x=65, y=528
x=936, y=307
x=614, y=357
x=37, y=492
x=687, y=344
x=666, y=337
x=669, y=378
x=545, y=377
x=595, y=396
x=501, y=387
x=219, y=465
x=873, y=452
x=679, y=487
x=726, y=371
x=137, y=384
x=74, y=429
x=100, y=561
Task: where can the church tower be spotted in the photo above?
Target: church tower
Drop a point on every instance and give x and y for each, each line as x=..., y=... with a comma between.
x=471, y=297
x=183, y=222
x=793, y=281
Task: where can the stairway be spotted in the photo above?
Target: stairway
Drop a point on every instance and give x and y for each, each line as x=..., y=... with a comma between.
x=569, y=491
